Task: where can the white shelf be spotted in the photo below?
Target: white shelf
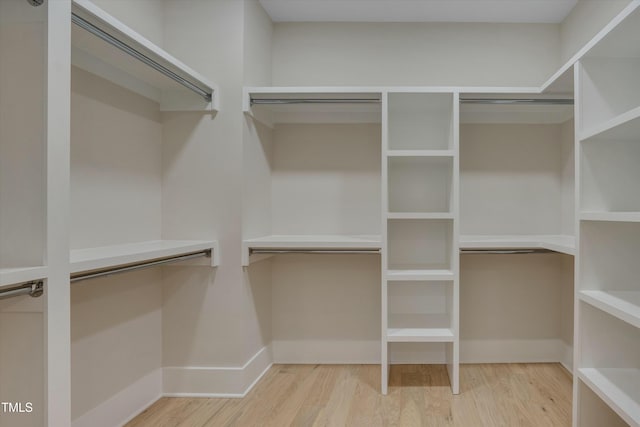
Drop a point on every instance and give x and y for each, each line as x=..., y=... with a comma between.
x=420, y=275
x=557, y=243
x=99, y=57
x=625, y=305
x=618, y=388
x=419, y=335
x=272, y=114
x=611, y=216
x=420, y=153
x=626, y=126
x=112, y=256
x=310, y=242
x=420, y=215
x=14, y=276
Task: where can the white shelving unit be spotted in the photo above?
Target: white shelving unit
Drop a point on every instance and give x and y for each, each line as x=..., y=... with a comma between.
x=420, y=245
x=133, y=71
x=607, y=331
x=12, y=276
x=83, y=260
x=562, y=244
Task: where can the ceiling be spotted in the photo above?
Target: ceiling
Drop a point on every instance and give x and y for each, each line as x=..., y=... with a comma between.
x=515, y=11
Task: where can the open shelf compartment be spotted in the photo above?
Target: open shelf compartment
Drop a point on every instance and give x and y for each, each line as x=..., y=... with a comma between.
x=420, y=184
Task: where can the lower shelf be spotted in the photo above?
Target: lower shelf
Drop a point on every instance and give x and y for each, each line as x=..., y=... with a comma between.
x=14, y=276
x=618, y=388
x=557, y=243
x=420, y=275
x=420, y=335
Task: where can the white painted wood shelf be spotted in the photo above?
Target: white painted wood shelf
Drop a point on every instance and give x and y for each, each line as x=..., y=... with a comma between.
x=15, y=276
x=625, y=305
x=101, y=58
x=611, y=216
x=420, y=335
x=83, y=260
x=625, y=126
x=420, y=215
x=557, y=243
x=420, y=153
x=310, y=242
x=618, y=388
x=420, y=275
x=306, y=111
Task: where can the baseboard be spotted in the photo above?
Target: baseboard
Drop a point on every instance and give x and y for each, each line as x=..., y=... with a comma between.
x=567, y=357
x=217, y=381
x=511, y=351
x=124, y=406
x=326, y=352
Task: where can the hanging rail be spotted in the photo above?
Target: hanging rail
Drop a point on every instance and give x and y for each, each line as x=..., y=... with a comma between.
x=256, y=251
x=287, y=101
x=103, y=35
x=506, y=251
x=33, y=289
x=518, y=101
x=137, y=266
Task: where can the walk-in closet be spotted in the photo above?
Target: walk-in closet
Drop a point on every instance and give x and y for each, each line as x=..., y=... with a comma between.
x=276, y=212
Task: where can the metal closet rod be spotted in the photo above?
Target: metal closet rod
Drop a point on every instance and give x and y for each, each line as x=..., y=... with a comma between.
x=138, y=266
x=103, y=35
x=313, y=251
x=506, y=251
x=521, y=101
x=286, y=101
x=33, y=289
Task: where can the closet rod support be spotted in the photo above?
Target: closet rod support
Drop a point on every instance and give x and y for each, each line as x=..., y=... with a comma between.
x=287, y=101
x=518, y=101
x=257, y=251
x=506, y=251
x=33, y=289
x=138, y=266
x=103, y=35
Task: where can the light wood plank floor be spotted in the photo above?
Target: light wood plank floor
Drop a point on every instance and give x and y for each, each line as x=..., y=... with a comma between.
x=509, y=395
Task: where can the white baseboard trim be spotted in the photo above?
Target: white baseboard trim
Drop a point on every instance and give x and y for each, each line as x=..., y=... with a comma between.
x=567, y=357
x=511, y=351
x=125, y=405
x=227, y=382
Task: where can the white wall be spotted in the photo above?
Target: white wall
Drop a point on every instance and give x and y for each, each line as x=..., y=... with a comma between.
x=202, y=190
x=115, y=169
x=22, y=143
x=326, y=179
x=510, y=179
x=586, y=19
x=144, y=16
x=414, y=54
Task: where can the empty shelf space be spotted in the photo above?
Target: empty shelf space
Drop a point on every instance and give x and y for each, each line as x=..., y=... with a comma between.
x=420, y=215
x=625, y=305
x=557, y=243
x=14, y=276
x=274, y=105
x=611, y=216
x=618, y=388
x=134, y=62
x=421, y=153
x=83, y=260
x=420, y=335
x=625, y=126
x=420, y=275
x=311, y=243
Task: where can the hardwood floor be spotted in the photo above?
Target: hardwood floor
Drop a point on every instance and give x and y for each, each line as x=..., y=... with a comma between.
x=509, y=395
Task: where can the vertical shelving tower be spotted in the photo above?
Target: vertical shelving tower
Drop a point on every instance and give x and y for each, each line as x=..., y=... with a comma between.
x=607, y=351
x=420, y=274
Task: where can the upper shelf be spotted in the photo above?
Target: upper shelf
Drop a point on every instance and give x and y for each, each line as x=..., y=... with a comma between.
x=557, y=243
x=144, y=68
x=528, y=108
x=273, y=105
x=625, y=126
x=83, y=260
x=310, y=243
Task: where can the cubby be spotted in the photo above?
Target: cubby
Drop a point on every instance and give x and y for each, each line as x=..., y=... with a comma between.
x=420, y=184
x=420, y=121
x=420, y=244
